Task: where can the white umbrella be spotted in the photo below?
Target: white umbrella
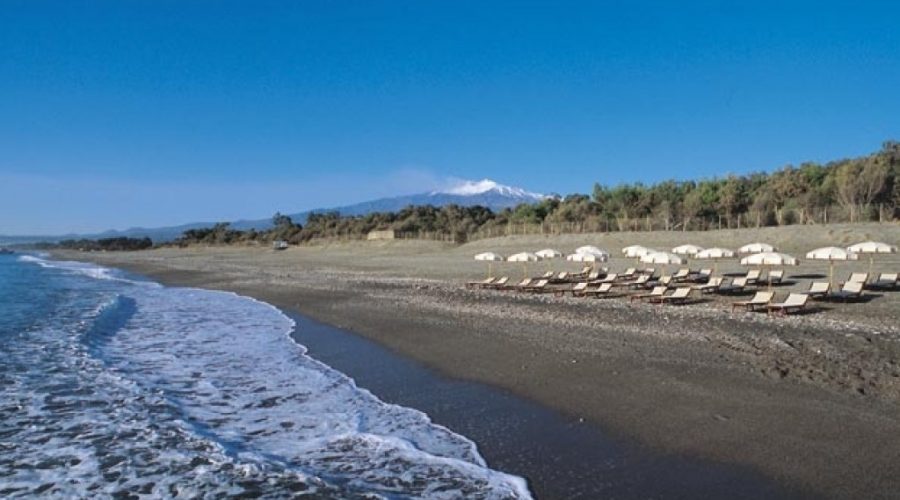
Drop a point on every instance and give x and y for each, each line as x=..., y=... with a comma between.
x=831, y=254
x=871, y=248
x=756, y=248
x=590, y=249
x=548, y=253
x=490, y=257
x=688, y=249
x=587, y=257
x=769, y=259
x=636, y=251
x=524, y=258
x=662, y=258
x=715, y=254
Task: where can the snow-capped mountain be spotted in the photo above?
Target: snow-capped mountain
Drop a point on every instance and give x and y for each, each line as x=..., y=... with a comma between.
x=485, y=192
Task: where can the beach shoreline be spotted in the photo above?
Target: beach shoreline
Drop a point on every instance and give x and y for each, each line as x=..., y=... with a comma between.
x=811, y=402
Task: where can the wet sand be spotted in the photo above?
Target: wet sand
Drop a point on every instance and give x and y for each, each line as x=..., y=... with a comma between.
x=812, y=402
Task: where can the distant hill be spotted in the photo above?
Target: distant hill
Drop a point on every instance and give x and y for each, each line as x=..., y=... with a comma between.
x=468, y=193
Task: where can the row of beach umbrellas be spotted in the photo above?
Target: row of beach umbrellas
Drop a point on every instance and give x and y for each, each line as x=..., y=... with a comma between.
x=757, y=254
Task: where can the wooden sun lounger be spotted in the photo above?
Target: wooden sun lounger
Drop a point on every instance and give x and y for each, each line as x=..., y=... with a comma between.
x=885, y=281
x=752, y=277
x=761, y=299
x=480, y=283
x=775, y=277
x=540, y=286
x=562, y=277
x=850, y=290
x=525, y=282
x=602, y=291
x=818, y=289
x=682, y=275
x=795, y=302
x=710, y=286
x=629, y=273
x=703, y=275
x=545, y=276
x=498, y=284
x=609, y=278
x=641, y=281
x=658, y=291
x=858, y=277
x=679, y=296
x=737, y=285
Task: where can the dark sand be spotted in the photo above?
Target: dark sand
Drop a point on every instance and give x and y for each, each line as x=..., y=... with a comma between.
x=811, y=402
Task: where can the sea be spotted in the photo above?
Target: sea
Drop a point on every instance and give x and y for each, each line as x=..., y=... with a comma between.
x=114, y=386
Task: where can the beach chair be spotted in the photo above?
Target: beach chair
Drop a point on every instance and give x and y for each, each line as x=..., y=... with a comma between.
x=703, y=275
x=599, y=292
x=665, y=280
x=795, y=302
x=850, y=290
x=562, y=277
x=818, y=289
x=518, y=286
x=679, y=296
x=885, y=281
x=737, y=285
x=580, y=275
x=658, y=291
x=593, y=276
x=710, y=286
x=649, y=271
x=480, y=283
x=579, y=288
x=761, y=299
x=858, y=277
x=775, y=276
x=752, y=277
x=546, y=276
x=539, y=286
x=498, y=284
x=628, y=274
x=681, y=275
x=640, y=282
x=609, y=278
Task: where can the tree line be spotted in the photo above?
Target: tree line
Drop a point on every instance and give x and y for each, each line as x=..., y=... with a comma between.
x=850, y=190
x=104, y=244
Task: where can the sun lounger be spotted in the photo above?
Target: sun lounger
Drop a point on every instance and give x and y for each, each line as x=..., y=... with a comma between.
x=657, y=291
x=776, y=276
x=498, y=284
x=650, y=271
x=601, y=291
x=711, y=286
x=703, y=275
x=761, y=299
x=850, y=290
x=525, y=282
x=858, y=277
x=737, y=285
x=562, y=277
x=609, y=278
x=537, y=287
x=579, y=288
x=665, y=280
x=795, y=302
x=593, y=276
x=480, y=283
x=681, y=275
x=752, y=277
x=546, y=276
x=628, y=274
x=818, y=289
x=679, y=296
x=885, y=281
x=639, y=282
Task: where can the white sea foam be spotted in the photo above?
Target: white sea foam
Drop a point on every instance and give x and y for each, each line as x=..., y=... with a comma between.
x=83, y=268
x=229, y=396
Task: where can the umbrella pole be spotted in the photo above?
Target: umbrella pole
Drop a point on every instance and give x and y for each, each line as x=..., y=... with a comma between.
x=871, y=261
x=490, y=269
x=831, y=274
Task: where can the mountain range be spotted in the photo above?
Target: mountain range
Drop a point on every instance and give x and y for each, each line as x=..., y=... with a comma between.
x=466, y=193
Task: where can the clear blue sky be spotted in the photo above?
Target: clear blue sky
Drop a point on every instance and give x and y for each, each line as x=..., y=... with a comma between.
x=115, y=114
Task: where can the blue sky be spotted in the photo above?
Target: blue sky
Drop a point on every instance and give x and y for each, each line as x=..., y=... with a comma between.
x=117, y=114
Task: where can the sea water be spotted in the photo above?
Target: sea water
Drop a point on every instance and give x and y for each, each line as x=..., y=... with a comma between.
x=112, y=385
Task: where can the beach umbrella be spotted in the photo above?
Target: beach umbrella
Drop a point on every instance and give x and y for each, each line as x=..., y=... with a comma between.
x=636, y=251
x=831, y=254
x=756, y=248
x=590, y=249
x=588, y=257
x=490, y=258
x=768, y=260
x=871, y=248
x=715, y=254
x=548, y=254
x=688, y=249
x=662, y=258
x=524, y=258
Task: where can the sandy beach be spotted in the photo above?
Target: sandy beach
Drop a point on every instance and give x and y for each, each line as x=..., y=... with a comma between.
x=811, y=401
